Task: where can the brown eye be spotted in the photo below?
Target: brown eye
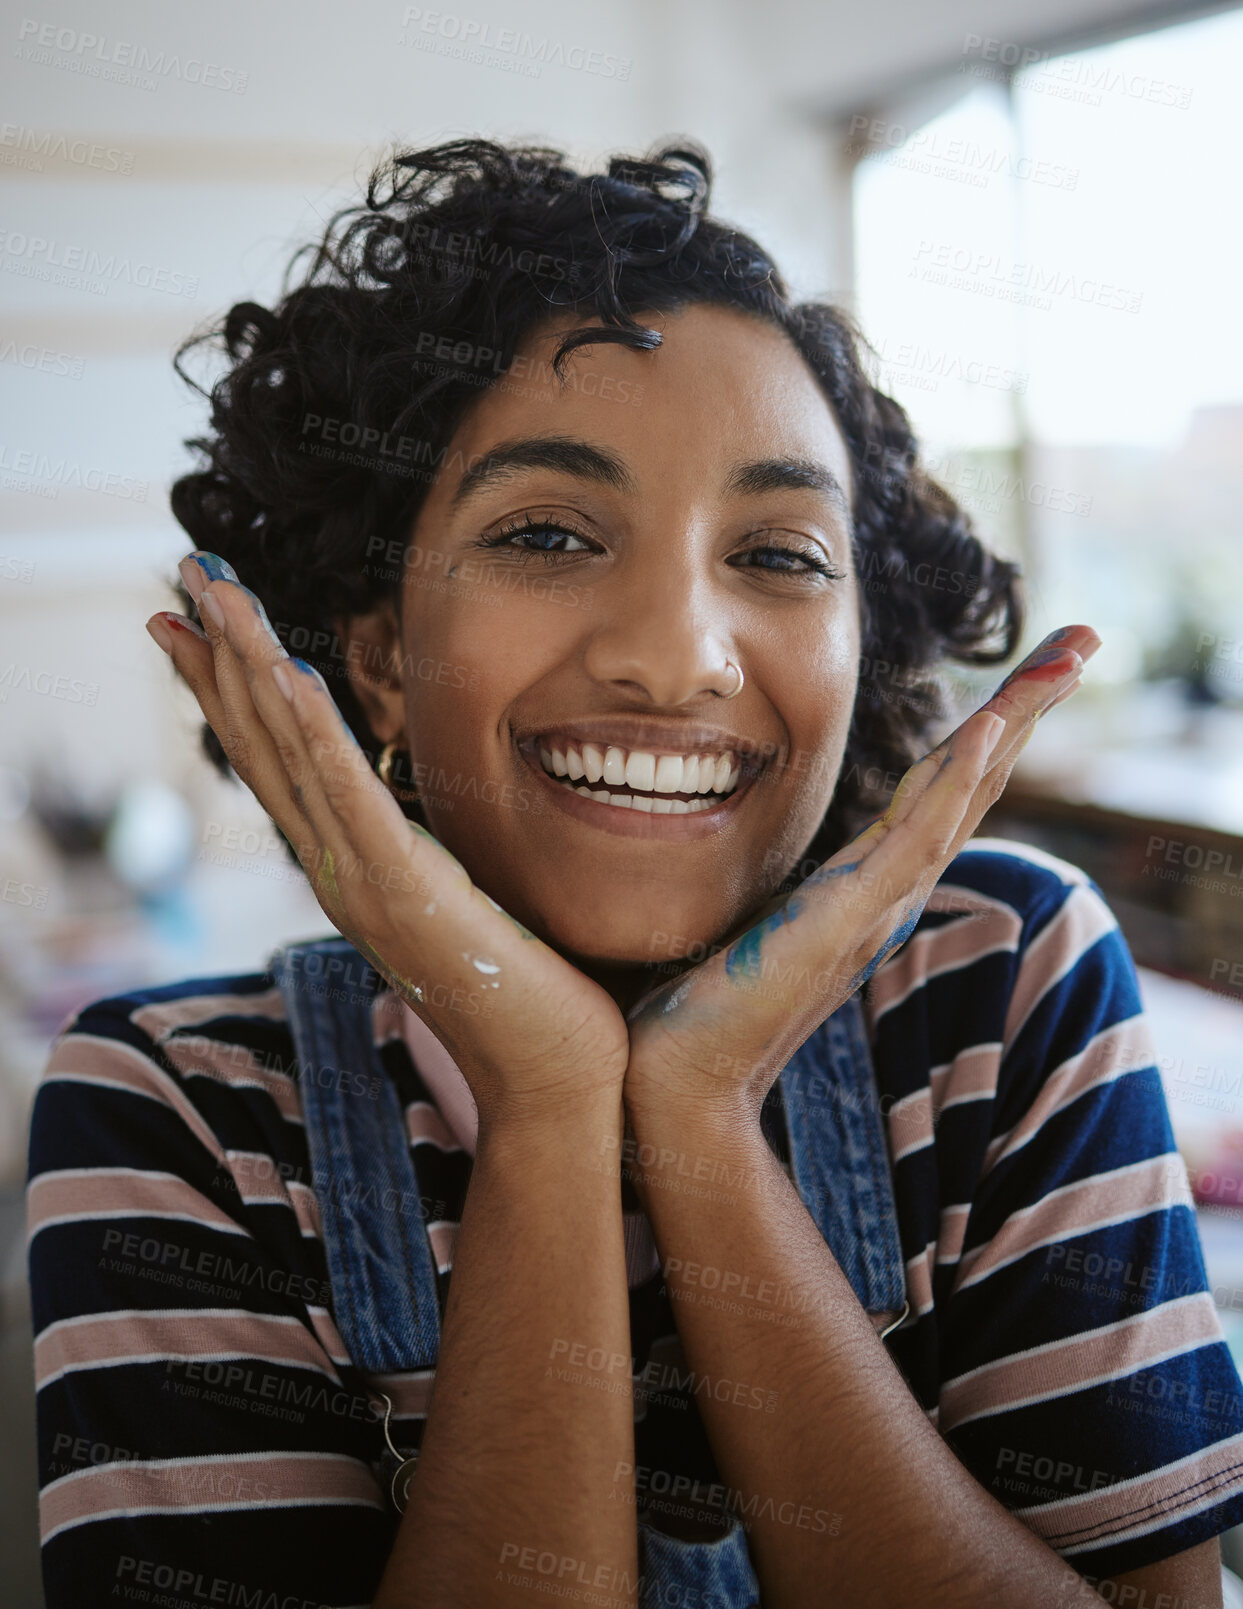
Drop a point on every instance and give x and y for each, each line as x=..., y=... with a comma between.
x=545, y=537
x=790, y=561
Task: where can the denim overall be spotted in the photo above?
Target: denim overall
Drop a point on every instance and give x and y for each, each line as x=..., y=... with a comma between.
x=382, y=1268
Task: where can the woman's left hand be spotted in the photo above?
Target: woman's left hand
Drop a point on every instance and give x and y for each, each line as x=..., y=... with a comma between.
x=713, y=1040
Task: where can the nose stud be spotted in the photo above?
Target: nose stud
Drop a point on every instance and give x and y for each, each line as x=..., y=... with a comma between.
x=738, y=668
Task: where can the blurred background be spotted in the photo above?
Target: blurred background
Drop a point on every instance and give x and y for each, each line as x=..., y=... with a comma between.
x=1027, y=203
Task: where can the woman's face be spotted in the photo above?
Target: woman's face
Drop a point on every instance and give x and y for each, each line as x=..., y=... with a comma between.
x=696, y=500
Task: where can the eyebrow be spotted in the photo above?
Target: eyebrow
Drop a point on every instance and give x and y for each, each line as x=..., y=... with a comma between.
x=568, y=455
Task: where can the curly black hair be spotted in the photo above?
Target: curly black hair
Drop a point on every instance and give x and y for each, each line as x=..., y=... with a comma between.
x=462, y=249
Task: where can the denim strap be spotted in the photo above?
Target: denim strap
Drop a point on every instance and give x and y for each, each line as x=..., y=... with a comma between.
x=380, y=1261
x=839, y=1156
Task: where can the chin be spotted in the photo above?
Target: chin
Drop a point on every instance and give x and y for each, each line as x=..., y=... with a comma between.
x=633, y=938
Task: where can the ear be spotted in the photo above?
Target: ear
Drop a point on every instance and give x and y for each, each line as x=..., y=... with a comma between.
x=372, y=651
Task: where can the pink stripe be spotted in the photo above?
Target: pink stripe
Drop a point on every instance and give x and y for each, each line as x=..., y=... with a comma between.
x=1083, y=919
x=971, y=1076
x=259, y=1183
x=97, y=1340
x=1080, y=1361
x=953, y=1228
x=78, y=1193
x=89, y=1059
x=443, y=1237
x=1074, y=1209
x=196, y=1056
x=958, y=944
x=910, y=1123
x=165, y=1017
x=199, y=1485
x=919, y=1280
x=1127, y=1047
x=424, y=1122
x=325, y=1328
x=1145, y=1503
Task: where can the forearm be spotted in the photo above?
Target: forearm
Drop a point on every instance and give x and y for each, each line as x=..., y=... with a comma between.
x=852, y=1495
x=515, y=1457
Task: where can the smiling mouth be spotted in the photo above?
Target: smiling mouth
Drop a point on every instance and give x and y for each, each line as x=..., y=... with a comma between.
x=638, y=779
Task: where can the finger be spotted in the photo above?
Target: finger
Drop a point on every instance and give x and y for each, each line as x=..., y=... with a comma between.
x=272, y=764
x=383, y=839
x=1038, y=682
x=186, y=645
x=361, y=821
x=923, y=837
x=245, y=740
x=262, y=672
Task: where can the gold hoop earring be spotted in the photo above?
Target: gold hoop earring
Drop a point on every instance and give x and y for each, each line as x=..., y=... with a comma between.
x=737, y=689
x=384, y=769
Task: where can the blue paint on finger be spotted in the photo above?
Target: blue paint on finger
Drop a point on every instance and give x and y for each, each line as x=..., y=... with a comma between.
x=214, y=567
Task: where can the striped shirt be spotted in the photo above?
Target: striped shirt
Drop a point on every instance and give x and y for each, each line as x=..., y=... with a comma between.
x=203, y=1433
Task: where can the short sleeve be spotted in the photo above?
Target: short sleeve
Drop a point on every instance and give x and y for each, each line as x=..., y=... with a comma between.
x=1085, y=1380
x=197, y=1438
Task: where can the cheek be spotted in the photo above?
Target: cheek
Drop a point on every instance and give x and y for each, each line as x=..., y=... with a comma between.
x=819, y=696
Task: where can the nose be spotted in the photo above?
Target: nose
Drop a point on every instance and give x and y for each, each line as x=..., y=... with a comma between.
x=666, y=643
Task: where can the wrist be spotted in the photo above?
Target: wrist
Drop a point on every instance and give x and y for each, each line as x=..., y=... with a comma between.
x=695, y=1146
x=560, y=1122
x=724, y=1107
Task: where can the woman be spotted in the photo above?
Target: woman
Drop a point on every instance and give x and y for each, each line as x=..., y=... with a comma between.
x=788, y=1138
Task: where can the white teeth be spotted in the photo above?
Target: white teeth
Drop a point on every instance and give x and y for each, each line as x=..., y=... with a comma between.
x=648, y=805
x=642, y=770
x=668, y=774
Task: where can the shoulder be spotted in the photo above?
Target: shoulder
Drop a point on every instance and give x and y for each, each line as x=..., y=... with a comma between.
x=150, y=1015
x=1028, y=883
x=126, y=1060
x=1003, y=917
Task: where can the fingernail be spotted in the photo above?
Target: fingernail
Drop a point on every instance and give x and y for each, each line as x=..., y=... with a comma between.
x=1042, y=656
x=214, y=567
x=280, y=676
x=993, y=736
x=200, y=567
x=160, y=634
x=1038, y=660
x=192, y=575
x=212, y=609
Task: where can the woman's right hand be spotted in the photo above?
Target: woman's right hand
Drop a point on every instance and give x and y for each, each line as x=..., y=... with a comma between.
x=532, y=1035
